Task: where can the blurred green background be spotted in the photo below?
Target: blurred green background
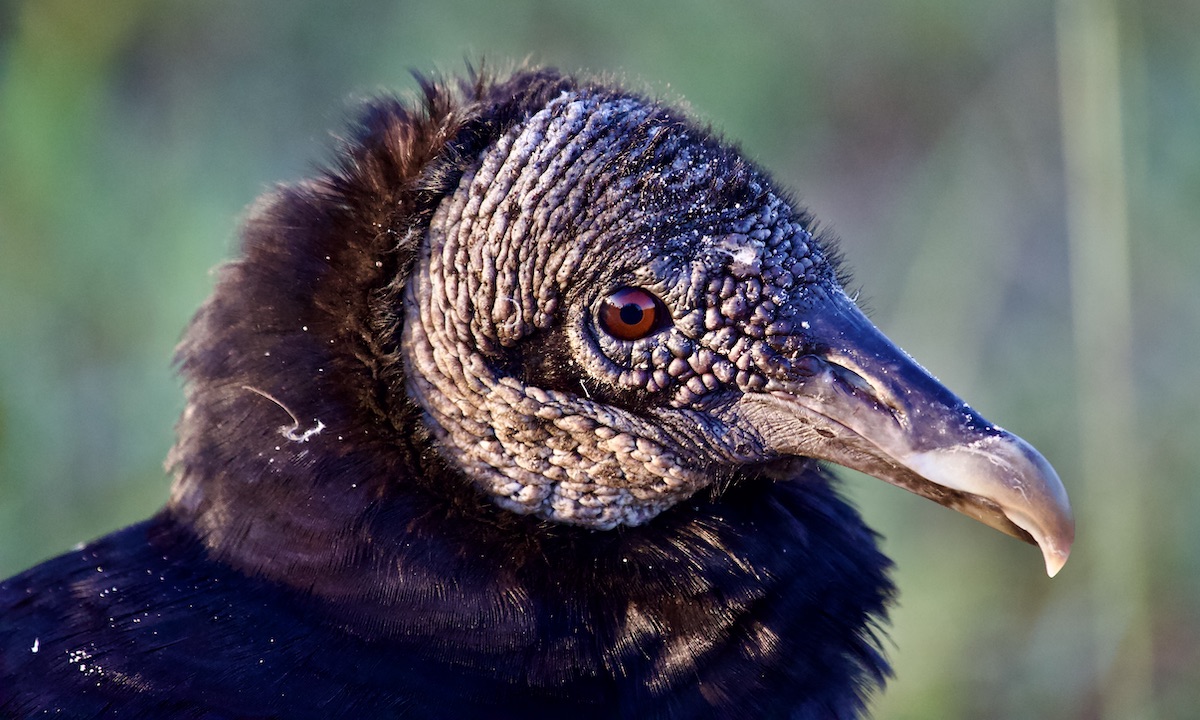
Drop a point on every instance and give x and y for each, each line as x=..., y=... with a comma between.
x=1017, y=186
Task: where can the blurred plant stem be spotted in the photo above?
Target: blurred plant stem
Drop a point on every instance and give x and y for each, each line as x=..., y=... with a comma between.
x=1111, y=503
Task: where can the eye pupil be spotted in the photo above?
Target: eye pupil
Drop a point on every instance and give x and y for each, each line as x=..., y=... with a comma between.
x=631, y=314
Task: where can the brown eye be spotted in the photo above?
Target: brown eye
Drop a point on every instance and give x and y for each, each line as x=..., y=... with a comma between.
x=631, y=314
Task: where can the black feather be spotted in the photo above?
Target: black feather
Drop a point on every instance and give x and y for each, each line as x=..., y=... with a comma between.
x=322, y=557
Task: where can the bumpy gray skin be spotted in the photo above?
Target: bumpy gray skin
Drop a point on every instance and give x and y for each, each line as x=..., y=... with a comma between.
x=527, y=241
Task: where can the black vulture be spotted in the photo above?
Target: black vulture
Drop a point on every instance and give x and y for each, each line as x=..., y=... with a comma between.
x=518, y=410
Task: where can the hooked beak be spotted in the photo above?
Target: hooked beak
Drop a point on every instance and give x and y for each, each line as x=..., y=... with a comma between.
x=861, y=402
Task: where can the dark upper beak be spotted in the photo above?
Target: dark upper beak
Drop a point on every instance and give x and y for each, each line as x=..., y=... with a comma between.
x=859, y=401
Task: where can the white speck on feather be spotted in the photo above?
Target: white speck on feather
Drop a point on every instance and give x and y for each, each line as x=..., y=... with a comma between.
x=291, y=432
x=36, y=644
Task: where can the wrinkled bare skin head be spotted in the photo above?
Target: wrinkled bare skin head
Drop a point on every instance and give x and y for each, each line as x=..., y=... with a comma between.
x=714, y=335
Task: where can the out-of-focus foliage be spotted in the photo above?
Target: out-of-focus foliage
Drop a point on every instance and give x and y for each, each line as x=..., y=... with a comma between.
x=133, y=133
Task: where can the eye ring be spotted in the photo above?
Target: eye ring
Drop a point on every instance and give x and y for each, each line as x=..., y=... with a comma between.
x=632, y=314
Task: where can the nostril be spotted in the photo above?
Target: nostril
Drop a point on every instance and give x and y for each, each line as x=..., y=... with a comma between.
x=853, y=380
x=808, y=365
x=859, y=385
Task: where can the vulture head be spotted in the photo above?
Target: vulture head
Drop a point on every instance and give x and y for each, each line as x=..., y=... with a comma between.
x=542, y=357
